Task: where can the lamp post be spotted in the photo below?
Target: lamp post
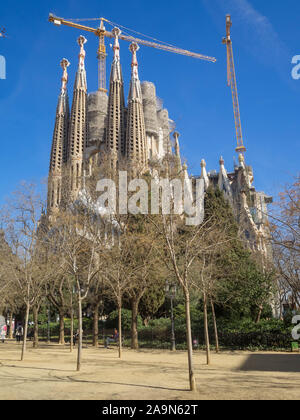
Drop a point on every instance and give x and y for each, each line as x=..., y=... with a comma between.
x=170, y=290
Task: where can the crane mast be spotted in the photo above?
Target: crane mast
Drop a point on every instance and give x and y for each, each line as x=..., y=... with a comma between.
x=101, y=55
x=101, y=32
x=231, y=80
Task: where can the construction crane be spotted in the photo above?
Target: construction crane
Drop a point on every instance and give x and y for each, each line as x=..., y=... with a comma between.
x=231, y=80
x=101, y=32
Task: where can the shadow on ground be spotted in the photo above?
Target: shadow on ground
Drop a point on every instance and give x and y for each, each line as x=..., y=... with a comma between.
x=272, y=363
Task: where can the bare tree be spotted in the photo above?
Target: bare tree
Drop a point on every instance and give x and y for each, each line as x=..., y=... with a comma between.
x=95, y=300
x=215, y=240
x=28, y=266
x=285, y=238
x=75, y=241
x=118, y=276
x=59, y=295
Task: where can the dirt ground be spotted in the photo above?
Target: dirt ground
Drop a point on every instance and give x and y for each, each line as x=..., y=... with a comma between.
x=49, y=373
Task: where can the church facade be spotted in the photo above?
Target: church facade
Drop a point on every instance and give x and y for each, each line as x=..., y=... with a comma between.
x=139, y=133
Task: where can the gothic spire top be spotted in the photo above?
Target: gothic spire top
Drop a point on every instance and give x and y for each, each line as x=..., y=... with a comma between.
x=64, y=65
x=242, y=160
x=135, y=92
x=116, y=73
x=204, y=175
x=223, y=181
x=116, y=33
x=176, y=137
x=63, y=99
x=177, y=148
x=134, y=64
x=80, y=81
x=81, y=41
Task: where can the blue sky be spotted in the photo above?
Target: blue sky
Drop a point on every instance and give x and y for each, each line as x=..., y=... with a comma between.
x=265, y=38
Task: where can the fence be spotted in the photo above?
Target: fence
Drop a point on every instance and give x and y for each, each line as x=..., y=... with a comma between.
x=160, y=337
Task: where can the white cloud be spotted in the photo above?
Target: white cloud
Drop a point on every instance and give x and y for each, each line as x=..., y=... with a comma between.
x=253, y=31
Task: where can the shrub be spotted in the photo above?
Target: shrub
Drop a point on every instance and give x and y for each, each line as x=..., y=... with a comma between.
x=112, y=320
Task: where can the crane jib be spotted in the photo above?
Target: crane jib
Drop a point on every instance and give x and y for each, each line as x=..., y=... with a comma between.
x=101, y=33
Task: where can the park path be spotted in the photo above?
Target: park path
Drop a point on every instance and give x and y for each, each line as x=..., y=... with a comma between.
x=49, y=373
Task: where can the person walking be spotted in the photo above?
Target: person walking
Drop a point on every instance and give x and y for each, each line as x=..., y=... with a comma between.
x=19, y=333
x=75, y=337
x=3, y=333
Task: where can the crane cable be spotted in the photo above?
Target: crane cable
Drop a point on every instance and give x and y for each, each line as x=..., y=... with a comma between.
x=123, y=27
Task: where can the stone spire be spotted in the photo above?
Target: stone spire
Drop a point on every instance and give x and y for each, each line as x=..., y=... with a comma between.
x=204, y=174
x=115, y=134
x=242, y=161
x=187, y=183
x=246, y=171
x=78, y=125
x=59, y=143
x=177, y=150
x=136, y=135
x=223, y=181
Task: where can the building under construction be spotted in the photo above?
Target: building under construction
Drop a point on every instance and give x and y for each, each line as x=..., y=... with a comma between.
x=139, y=132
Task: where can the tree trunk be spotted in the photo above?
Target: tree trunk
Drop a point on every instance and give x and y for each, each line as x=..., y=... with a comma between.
x=215, y=326
x=173, y=345
x=189, y=342
x=79, y=333
x=120, y=330
x=72, y=329
x=259, y=314
x=11, y=331
x=61, y=327
x=206, y=329
x=35, y=311
x=25, y=331
x=134, y=320
x=96, y=325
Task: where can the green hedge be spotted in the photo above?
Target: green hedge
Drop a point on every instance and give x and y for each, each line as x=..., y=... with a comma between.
x=266, y=335
x=269, y=334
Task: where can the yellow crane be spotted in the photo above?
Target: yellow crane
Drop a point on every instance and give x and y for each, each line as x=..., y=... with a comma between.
x=101, y=32
x=231, y=80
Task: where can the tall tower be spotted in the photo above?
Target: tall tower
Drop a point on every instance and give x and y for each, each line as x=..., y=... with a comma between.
x=115, y=134
x=177, y=150
x=78, y=126
x=164, y=123
x=136, y=135
x=150, y=116
x=59, y=144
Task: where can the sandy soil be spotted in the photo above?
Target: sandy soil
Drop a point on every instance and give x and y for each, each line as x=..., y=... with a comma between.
x=49, y=373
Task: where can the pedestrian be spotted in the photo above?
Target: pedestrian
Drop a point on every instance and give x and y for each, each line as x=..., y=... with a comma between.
x=75, y=337
x=3, y=333
x=19, y=333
